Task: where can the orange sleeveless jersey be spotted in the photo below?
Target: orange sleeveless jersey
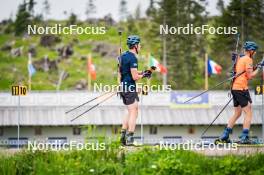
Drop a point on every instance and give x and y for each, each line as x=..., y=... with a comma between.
x=244, y=63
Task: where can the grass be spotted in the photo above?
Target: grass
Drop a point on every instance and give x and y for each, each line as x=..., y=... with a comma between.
x=116, y=161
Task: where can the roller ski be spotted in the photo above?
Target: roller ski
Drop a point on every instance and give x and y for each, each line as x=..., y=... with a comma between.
x=130, y=139
x=244, y=139
x=224, y=138
x=127, y=139
x=220, y=141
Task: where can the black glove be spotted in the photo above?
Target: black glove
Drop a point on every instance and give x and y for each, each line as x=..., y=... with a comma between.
x=146, y=74
x=260, y=64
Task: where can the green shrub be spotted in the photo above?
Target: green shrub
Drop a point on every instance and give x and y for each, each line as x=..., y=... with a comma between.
x=114, y=160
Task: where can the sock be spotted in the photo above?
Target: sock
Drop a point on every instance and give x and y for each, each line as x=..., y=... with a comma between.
x=245, y=131
x=130, y=133
x=229, y=130
x=123, y=130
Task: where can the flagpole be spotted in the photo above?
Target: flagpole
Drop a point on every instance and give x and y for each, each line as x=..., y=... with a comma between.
x=206, y=72
x=89, y=61
x=29, y=76
x=164, y=60
x=262, y=101
x=60, y=80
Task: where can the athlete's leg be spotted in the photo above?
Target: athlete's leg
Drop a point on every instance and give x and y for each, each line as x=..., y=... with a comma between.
x=236, y=115
x=133, y=113
x=247, y=120
x=244, y=138
x=125, y=122
x=231, y=123
x=124, y=130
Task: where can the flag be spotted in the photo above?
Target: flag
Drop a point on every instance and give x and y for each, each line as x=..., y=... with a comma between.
x=31, y=69
x=160, y=68
x=213, y=67
x=91, y=69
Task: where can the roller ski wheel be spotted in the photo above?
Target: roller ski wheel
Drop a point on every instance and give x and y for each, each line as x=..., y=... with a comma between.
x=220, y=141
x=247, y=142
x=130, y=141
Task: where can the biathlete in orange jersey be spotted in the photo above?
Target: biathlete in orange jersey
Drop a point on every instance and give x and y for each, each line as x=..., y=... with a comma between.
x=241, y=97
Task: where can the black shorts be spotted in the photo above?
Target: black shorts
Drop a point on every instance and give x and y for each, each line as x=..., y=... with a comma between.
x=129, y=97
x=241, y=98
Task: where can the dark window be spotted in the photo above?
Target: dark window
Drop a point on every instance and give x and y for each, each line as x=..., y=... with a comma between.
x=191, y=130
x=153, y=130
x=115, y=129
x=38, y=131
x=76, y=131
x=12, y=141
x=57, y=140
x=1, y=131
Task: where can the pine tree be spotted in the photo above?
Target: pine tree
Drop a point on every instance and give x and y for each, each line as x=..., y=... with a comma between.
x=151, y=8
x=90, y=8
x=46, y=8
x=138, y=12
x=72, y=19
x=183, y=51
x=22, y=19
x=123, y=10
x=220, y=6
x=31, y=5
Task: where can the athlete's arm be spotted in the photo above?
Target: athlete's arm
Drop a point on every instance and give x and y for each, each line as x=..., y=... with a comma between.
x=134, y=69
x=249, y=70
x=251, y=74
x=135, y=74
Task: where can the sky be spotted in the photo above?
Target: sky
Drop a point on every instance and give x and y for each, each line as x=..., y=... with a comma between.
x=103, y=7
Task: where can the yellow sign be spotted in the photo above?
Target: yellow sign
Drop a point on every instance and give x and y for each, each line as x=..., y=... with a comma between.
x=259, y=90
x=19, y=90
x=145, y=89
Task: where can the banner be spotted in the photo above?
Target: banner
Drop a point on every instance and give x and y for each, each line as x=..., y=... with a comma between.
x=177, y=100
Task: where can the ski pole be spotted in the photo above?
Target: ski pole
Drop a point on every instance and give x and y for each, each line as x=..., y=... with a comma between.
x=222, y=109
x=237, y=41
x=216, y=117
x=120, y=42
x=230, y=78
x=86, y=102
x=119, y=59
x=234, y=61
x=93, y=107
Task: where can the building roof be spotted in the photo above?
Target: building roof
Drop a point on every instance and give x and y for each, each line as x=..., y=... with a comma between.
x=48, y=109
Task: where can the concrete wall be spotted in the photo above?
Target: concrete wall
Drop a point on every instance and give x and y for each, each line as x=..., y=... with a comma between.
x=165, y=130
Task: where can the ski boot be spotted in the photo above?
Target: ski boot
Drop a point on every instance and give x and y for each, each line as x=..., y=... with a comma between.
x=244, y=138
x=224, y=138
x=123, y=137
x=130, y=139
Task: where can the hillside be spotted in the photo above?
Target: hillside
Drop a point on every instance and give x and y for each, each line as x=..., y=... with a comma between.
x=104, y=50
